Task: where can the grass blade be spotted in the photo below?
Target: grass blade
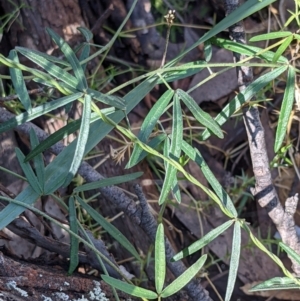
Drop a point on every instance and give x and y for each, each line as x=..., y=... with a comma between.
x=185, y=278
x=276, y=283
x=112, y=230
x=71, y=58
x=160, y=259
x=286, y=108
x=292, y=254
x=271, y=36
x=74, y=242
x=108, y=182
x=149, y=123
x=205, y=240
x=285, y=44
x=129, y=288
x=18, y=82
x=202, y=117
x=234, y=260
x=81, y=139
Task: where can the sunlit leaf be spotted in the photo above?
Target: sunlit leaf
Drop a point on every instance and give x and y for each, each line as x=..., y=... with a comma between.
x=129, y=288
x=160, y=259
x=234, y=260
x=286, y=108
x=271, y=36
x=276, y=283
x=184, y=278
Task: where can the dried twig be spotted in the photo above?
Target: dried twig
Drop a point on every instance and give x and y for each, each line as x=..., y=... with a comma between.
x=264, y=191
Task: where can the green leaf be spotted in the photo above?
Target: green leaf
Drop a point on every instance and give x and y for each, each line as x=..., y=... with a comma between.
x=11, y=211
x=37, y=112
x=46, y=56
x=81, y=139
x=112, y=230
x=109, y=182
x=153, y=144
x=86, y=33
x=205, y=240
x=202, y=117
x=285, y=44
x=38, y=160
x=184, y=279
x=245, y=96
x=286, y=108
x=160, y=259
x=271, y=36
x=51, y=68
x=234, y=260
x=207, y=51
x=276, y=283
x=149, y=123
x=129, y=288
x=74, y=242
x=246, y=50
x=175, y=149
x=63, y=133
x=30, y=176
x=18, y=82
x=292, y=254
x=196, y=156
x=71, y=58
x=110, y=100
x=85, y=52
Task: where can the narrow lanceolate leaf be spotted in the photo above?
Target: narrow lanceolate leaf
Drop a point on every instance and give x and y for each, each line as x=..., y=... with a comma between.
x=30, y=176
x=86, y=33
x=74, y=242
x=285, y=44
x=18, y=82
x=112, y=230
x=160, y=259
x=81, y=139
x=286, y=108
x=184, y=279
x=276, y=283
x=245, y=96
x=247, y=50
x=129, y=288
x=201, y=116
x=51, y=68
x=292, y=254
x=174, y=152
x=38, y=160
x=110, y=100
x=71, y=58
x=205, y=240
x=271, y=36
x=234, y=260
x=63, y=133
x=108, y=182
x=37, y=112
x=85, y=52
x=11, y=211
x=149, y=123
x=223, y=196
x=207, y=51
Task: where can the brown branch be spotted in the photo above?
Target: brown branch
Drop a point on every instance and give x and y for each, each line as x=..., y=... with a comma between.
x=122, y=202
x=264, y=191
